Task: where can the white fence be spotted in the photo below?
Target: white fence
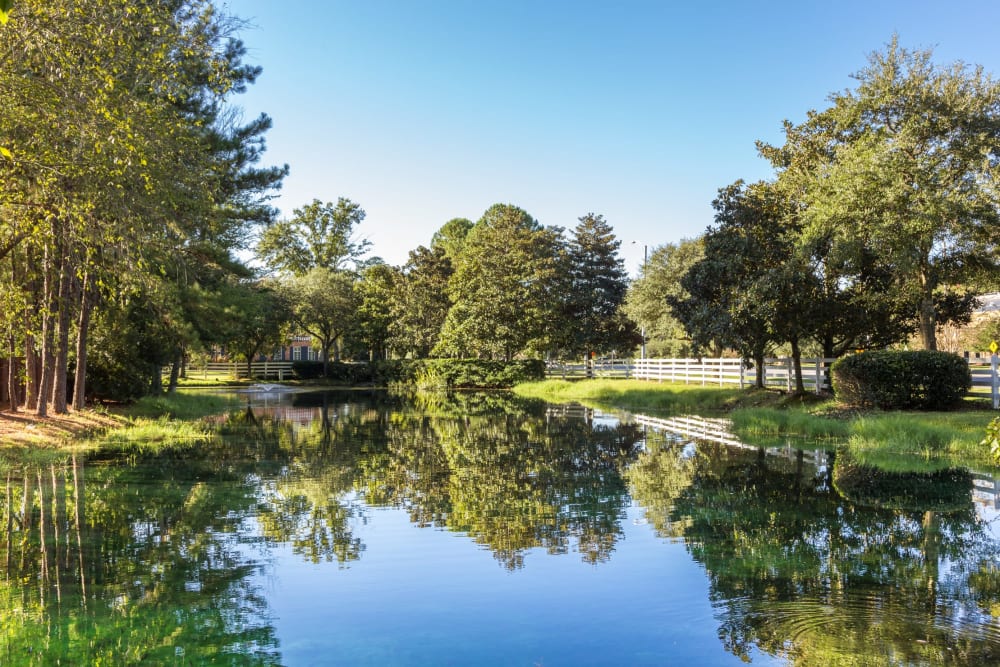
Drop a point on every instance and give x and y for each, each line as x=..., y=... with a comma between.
x=279, y=370
x=777, y=372
x=706, y=372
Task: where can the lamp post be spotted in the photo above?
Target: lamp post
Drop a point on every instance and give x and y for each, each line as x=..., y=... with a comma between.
x=642, y=325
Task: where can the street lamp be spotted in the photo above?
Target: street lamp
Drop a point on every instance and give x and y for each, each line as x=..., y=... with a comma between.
x=642, y=325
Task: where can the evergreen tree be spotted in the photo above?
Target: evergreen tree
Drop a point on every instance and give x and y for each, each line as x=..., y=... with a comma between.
x=597, y=285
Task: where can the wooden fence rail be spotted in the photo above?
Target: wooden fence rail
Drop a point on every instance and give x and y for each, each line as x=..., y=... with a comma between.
x=265, y=370
x=716, y=372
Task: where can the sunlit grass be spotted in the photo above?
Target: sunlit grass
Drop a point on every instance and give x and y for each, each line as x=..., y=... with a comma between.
x=181, y=405
x=771, y=421
x=948, y=437
x=632, y=395
x=154, y=433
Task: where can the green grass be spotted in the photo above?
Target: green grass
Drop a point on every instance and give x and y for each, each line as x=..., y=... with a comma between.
x=920, y=441
x=632, y=395
x=751, y=422
x=180, y=405
x=892, y=441
x=152, y=434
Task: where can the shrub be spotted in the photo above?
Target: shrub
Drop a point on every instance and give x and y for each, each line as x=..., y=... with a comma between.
x=337, y=371
x=307, y=370
x=901, y=380
x=474, y=373
x=992, y=439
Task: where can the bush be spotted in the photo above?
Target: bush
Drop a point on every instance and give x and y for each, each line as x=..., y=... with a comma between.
x=891, y=380
x=429, y=373
x=337, y=371
x=307, y=370
x=473, y=373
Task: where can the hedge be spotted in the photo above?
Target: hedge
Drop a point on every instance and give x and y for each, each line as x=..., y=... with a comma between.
x=428, y=373
x=901, y=380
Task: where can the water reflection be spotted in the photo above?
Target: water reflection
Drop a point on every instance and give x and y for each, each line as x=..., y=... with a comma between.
x=111, y=565
x=902, y=572
x=809, y=556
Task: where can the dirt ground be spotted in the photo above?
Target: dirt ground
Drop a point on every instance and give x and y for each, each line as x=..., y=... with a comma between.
x=27, y=428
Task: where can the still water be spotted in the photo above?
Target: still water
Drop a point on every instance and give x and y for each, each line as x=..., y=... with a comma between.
x=368, y=529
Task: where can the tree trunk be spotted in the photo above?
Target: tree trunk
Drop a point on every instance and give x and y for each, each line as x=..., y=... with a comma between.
x=175, y=369
x=800, y=387
x=928, y=315
x=156, y=388
x=12, y=382
x=758, y=362
x=61, y=370
x=48, y=338
x=31, y=364
x=82, y=328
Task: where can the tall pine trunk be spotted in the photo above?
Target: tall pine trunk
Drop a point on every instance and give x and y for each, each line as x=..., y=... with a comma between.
x=12, y=382
x=48, y=337
x=63, y=303
x=82, y=329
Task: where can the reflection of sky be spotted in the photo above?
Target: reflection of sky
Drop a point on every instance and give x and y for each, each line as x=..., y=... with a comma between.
x=423, y=596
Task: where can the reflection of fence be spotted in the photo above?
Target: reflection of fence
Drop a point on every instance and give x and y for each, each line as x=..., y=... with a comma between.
x=986, y=490
x=278, y=370
x=985, y=487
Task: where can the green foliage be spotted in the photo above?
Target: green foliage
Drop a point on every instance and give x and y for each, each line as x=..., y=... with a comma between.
x=992, y=439
x=596, y=284
x=319, y=235
x=323, y=304
x=421, y=303
x=336, y=371
x=901, y=380
x=475, y=373
x=902, y=166
x=503, y=291
x=649, y=297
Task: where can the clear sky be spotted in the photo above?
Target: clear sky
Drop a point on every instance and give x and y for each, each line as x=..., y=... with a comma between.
x=426, y=110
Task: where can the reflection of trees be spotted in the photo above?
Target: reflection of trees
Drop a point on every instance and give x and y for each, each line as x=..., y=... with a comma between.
x=121, y=565
x=519, y=482
x=800, y=572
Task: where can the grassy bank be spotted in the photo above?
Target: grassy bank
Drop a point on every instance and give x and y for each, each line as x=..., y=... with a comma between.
x=151, y=420
x=896, y=441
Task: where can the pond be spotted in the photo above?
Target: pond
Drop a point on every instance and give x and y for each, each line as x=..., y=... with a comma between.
x=363, y=528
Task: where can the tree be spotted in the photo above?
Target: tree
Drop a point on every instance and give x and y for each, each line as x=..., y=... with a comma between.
x=319, y=235
x=504, y=301
x=117, y=150
x=375, y=294
x=750, y=290
x=451, y=237
x=907, y=163
x=258, y=316
x=322, y=303
x=421, y=304
x=597, y=284
x=648, y=299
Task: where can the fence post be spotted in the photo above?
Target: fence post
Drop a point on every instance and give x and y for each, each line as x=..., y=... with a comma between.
x=819, y=375
x=994, y=381
x=788, y=374
x=742, y=372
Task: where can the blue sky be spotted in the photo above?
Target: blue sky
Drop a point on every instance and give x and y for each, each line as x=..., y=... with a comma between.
x=426, y=110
